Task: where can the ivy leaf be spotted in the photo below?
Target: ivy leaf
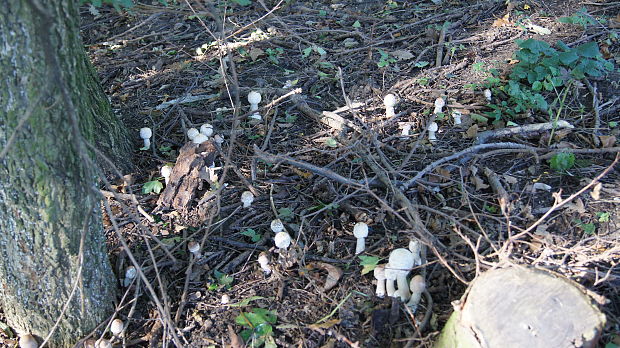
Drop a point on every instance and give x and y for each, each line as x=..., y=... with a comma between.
x=369, y=263
x=563, y=161
x=152, y=186
x=357, y=24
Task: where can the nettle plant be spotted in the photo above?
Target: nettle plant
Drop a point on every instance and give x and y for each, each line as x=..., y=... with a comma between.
x=542, y=68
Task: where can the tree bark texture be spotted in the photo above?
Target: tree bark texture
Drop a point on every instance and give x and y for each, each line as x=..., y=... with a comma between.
x=51, y=239
x=523, y=307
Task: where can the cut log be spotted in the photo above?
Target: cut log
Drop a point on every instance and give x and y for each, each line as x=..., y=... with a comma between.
x=523, y=307
x=189, y=190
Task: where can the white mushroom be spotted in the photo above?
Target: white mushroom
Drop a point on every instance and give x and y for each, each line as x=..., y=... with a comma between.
x=277, y=226
x=263, y=261
x=282, y=240
x=130, y=275
x=401, y=260
x=379, y=274
x=117, y=326
x=165, y=171
x=103, y=343
x=439, y=104
x=206, y=129
x=194, y=248
x=360, y=231
x=28, y=341
x=254, y=98
x=488, y=95
x=200, y=138
x=390, y=278
x=389, y=101
x=416, y=248
x=218, y=139
x=225, y=299
x=192, y=133
x=417, y=287
x=456, y=115
x=406, y=128
x=145, y=134
x=432, y=129
x=247, y=198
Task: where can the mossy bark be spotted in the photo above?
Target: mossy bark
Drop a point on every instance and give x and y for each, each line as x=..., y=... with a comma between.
x=51, y=239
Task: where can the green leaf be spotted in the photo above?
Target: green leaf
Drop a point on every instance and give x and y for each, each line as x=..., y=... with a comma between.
x=567, y=58
x=152, y=186
x=255, y=237
x=246, y=301
x=320, y=50
x=306, y=52
x=369, y=263
x=331, y=142
x=613, y=124
x=357, y=24
x=589, y=228
x=588, y=50
x=537, y=86
x=243, y=2
x=563, y=161
x=285, y=213
x=421, y=64
x=603, y=216
x=478, y=118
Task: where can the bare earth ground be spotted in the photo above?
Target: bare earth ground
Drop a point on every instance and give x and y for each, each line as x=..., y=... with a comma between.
x=155, y=54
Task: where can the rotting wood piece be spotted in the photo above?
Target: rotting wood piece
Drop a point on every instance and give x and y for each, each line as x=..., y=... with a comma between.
x=188, y=188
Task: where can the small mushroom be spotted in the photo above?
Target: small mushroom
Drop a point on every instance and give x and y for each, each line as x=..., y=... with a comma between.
x=218, y=139
x=360, y=231
x=456, y=115
x=206, y=129
x=254, y=98
x=130, y=275
x=28, y=341
x=432, y=129
x=379, y=274
x=277, y=226
x=439, y=104
x=192, y=133
x=225, y=299
x=417, y=285
x=282, y=240
x=117, y=326
x=405, y=128
x=401, y=260
x=165, y=171
x=389, y=101
x=146, y=134
x=247, y=198
x=263, y=261
x=416, y=248
x=200, y=138
x=194, y=248
x=488, y=95
x=103, y=343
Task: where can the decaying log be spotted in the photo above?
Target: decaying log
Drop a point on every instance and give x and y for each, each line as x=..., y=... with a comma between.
x=523, y=307
x=189, y=187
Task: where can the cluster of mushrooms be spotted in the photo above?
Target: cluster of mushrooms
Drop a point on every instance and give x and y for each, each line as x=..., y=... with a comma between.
x=117, y=328
x=392, y=276
x=390, y=100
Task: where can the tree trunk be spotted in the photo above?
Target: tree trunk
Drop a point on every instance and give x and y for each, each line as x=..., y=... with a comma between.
x=522, y=307
x=52, y=247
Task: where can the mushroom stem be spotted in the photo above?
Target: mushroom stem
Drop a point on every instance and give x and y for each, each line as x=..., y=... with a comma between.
x=390, y=289
x=360, y=246
x=403, y=287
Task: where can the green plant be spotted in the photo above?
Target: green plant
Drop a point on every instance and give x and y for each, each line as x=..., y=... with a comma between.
x=384, y=59
x=588, y=228
x=273, y=54
x=603, y=216
x=254, y=236
x=368, y=263
x=562, y=161
x=258, y=327
x=152, y=186
x=285, y=214
x=542, y=69
x=582, y=18
x=118, y=5
x=223, y=280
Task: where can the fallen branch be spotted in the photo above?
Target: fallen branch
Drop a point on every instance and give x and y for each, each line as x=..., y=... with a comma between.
x=483, y=137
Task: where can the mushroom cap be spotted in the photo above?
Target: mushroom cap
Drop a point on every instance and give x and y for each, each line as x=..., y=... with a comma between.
x=433, y=127
x=440, y=103
x=103, y=343
x=218, y=139
x=225, y=299
x=145, y=133
x=389, y=100
x=28, y=341
x=487, y=93
x=263, y=259
x=116, y=327
x=282, y=240
x=254, y=97
x=247, y=196
x=130, y=272
x=360, y=230
x=401, y=259
x=200, y=138
x=206, y=129
x=192, y=133
x=277, y=226
x=379, y=272
x=417, y=284
x=166, y=170
x=193, y=247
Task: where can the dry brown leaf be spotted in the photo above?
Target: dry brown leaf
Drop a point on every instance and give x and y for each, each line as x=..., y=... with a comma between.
x=402, y=54
x=326, y=325
x=510, y=179
x=596, y=191
x=576, y=206
x=235, y=340
x=504, y=21
x=615, y=22
x=255, y=53
x=561, y=134
x=471, y=132
x=480, y=185
x=607, y=140
x=333, y=274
